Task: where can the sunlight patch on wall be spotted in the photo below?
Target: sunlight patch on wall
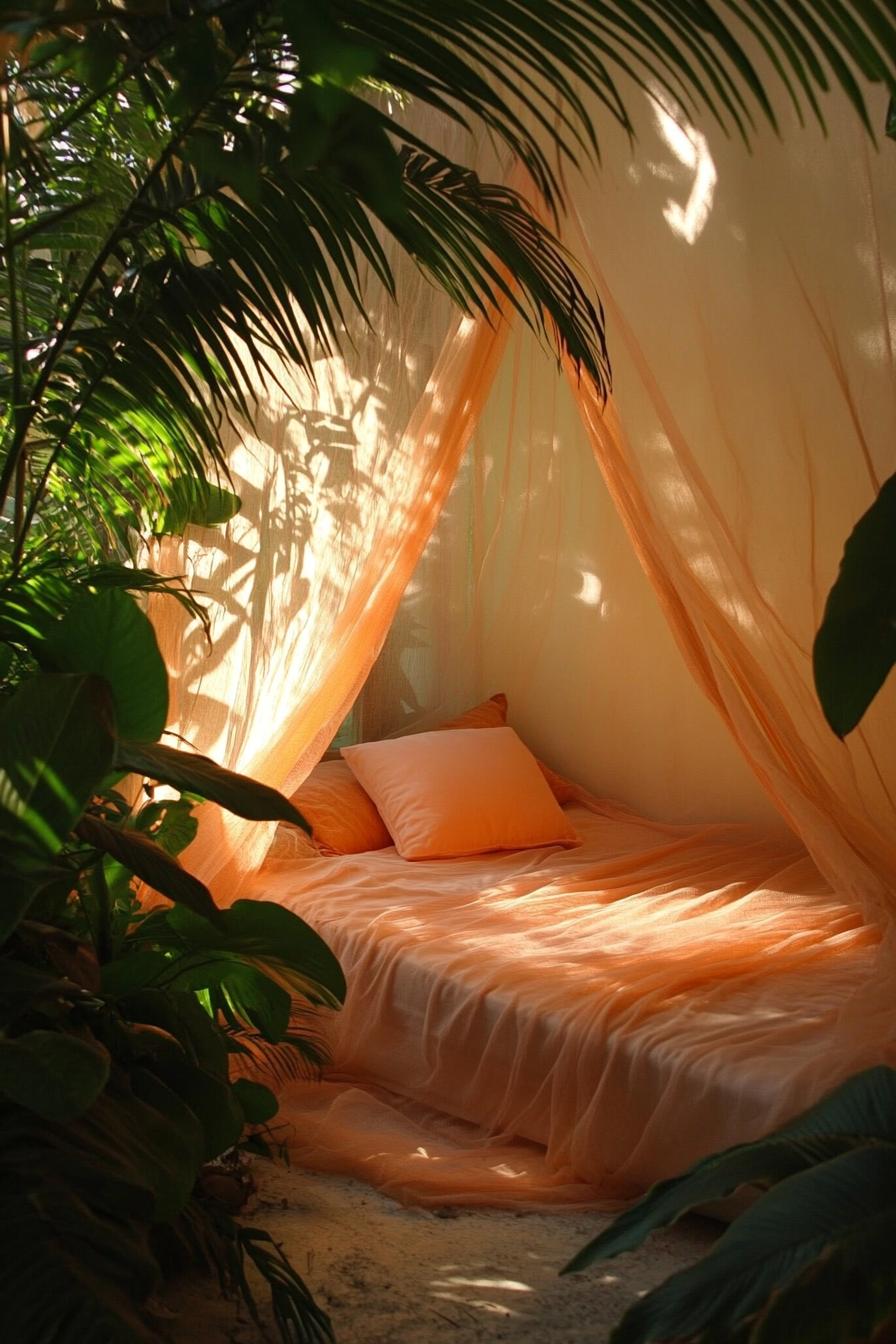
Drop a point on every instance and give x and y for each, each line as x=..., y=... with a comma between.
x=591, y=589
x=691, y=148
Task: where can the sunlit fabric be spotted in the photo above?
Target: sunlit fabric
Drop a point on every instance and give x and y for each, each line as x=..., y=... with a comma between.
x=341, y=485
x=629, y=1005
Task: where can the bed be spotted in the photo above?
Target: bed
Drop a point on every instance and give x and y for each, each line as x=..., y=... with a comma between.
x=568, y=1024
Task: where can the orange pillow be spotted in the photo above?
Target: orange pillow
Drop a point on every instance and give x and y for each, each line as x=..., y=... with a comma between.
x=490, y=714
x=342, y=818
x=563, y=789
x=448, y=794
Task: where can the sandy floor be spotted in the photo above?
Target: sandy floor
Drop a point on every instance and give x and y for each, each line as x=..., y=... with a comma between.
x=387, y=1274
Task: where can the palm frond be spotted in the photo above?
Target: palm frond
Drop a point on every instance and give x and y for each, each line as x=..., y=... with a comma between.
x=300, y=1056
x=193, y=194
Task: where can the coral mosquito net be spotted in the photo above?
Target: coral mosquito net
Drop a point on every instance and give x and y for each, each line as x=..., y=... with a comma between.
x=643, y=579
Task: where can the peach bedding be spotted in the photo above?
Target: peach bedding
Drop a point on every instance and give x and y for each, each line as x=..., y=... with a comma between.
x=597, y=1016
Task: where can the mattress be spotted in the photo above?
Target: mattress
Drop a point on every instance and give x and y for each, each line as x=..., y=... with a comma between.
x=611, y=1012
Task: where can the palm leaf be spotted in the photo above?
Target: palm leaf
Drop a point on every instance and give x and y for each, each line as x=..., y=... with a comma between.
x=296, y=1313
x=229, y=171
x=862, y=1108
x=844, y=1209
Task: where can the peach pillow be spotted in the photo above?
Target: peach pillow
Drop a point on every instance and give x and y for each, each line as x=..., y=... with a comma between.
x=342, y=817
x=448, y=794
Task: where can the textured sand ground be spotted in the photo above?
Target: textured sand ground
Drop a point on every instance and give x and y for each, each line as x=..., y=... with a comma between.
x=386, y=1274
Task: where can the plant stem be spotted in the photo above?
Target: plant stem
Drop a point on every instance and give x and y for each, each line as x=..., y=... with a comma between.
x=15, y=462
x=102, y=932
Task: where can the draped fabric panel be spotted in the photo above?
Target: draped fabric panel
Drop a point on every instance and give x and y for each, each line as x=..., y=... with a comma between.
x=755, y=421
x=341, y=481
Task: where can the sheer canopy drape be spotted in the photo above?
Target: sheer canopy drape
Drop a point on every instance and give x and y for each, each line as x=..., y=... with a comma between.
x=756, y=419
x=341, y=481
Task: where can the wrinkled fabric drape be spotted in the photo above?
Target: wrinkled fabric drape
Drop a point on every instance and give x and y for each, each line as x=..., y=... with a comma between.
x=738, y=501
x=341, y=483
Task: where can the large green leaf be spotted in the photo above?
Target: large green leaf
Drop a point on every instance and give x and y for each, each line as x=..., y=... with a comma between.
x=19, y=890
x=212, y=1101
x=765, y=1162
x=848, y=1203
x=180, y=1014
x=199, y=775
x=108, y=634
x=269, y=934
x=850, y=1290
x=175, y=1159
x=133, y=972
x=150, y=863
x=56, y=745
x=169, y=823
x=67, y=1273
x=54, y=1074
x=258, y=1102
x=243, y=993
x=194, y=501
x=861, y=1108
x=855, y=648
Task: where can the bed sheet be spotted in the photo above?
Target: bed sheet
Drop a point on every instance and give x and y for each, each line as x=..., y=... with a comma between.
x=627, y=1006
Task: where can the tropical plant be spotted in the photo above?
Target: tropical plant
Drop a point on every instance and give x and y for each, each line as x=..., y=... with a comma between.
x=855, y=648
x=813, y=1260
x=118, y=1026
x=187, y=188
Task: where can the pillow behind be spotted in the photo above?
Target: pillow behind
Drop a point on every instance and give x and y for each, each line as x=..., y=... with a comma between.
x=456, y=792
x=493, y=714
x=490, y=714
x=342, y=818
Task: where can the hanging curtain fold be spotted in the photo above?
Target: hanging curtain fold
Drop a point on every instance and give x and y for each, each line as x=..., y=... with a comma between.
x=739, y=480
x=341, y=481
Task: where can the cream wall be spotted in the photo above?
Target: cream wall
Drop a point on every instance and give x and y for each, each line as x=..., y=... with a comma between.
x=573, y=631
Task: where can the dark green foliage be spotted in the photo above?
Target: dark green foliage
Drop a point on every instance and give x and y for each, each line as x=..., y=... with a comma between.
x=855, y=647
x=106, y=633
x=814, y=1259
x=56, y=742
x=53, y=1074
x=197, y=774
x=116, y=1029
